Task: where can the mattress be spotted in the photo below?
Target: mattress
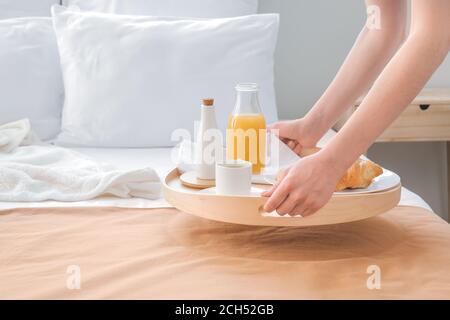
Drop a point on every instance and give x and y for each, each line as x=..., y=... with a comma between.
x=162, y=160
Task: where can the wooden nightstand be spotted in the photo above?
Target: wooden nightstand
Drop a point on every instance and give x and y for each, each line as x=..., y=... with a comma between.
x=427, y=118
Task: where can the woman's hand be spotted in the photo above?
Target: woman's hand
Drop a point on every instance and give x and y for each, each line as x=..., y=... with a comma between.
x=303, y=188
x=297, y=134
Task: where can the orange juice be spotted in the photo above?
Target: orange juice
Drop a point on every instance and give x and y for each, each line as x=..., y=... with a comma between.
x=246, y=139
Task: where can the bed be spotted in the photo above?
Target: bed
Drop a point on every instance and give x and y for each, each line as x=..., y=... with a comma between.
x=111, y=248
x=143, y=249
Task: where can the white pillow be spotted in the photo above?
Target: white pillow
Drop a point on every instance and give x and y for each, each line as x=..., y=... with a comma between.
x=30, y=74
x=178, y=8
x=131, y=81
x=25, y=8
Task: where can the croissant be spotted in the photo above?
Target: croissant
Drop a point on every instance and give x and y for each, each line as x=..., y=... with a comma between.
x=359, y=175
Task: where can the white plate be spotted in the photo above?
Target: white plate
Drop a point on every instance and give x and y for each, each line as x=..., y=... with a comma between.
x=383, y=182
x=255, y=192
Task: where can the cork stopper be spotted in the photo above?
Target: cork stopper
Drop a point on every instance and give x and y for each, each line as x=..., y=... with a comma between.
x=208, y=102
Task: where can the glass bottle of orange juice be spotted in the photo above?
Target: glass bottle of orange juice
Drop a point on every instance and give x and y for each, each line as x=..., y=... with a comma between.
x=246, y=133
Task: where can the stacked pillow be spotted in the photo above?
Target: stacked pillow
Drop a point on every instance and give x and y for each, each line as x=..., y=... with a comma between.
x=30, y=74
x=174, y=8
x=130, y=81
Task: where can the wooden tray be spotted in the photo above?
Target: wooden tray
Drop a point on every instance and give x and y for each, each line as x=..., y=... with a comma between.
x=248, y=210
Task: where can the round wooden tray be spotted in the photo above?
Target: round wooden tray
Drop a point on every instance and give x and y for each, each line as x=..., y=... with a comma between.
x=248, y=209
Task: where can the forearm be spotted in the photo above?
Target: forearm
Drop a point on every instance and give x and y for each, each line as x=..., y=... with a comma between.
x=369, y=55
x=401, y=81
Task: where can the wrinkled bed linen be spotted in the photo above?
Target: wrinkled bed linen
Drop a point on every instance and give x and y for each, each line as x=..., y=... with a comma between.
x=167, y=254
x=158, y=158
x=44, y=172
x=34, y=171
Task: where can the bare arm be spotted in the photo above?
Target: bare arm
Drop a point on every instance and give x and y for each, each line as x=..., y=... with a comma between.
x=400, y=82
x=374, y=47
x=306, y=186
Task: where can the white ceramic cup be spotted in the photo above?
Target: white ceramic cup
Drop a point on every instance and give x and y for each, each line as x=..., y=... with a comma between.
x=234, y=177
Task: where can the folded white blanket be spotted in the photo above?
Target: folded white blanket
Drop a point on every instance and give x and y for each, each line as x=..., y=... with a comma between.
x=45, y=172
x=16, y=133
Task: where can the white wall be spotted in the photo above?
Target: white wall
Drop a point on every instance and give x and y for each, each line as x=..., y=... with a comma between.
x=315, y=36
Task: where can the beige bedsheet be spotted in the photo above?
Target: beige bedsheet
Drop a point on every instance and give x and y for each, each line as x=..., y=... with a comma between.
x=167, y=254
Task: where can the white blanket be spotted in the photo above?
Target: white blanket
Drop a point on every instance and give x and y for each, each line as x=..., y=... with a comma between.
x=16, y=133
x=41, y=172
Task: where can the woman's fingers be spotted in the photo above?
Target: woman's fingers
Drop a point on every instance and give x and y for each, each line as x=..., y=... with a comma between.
x=275, y=129
x=298, y=148
x=280, y=193
x=299, y=210
x=283, y=129
x=307, y=212
x=287, y=206
x=303, y=189
x=275, y=126
x=269, y=192
x=292, y=144
x=280, y=176
x=307, y=207
x=284, y=140
x=286, y=132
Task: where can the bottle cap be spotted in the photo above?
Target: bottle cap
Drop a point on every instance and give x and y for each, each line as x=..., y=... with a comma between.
x=208, y=102
x=247, y=87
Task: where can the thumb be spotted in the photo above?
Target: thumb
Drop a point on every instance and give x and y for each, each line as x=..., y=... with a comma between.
x=283, y=129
